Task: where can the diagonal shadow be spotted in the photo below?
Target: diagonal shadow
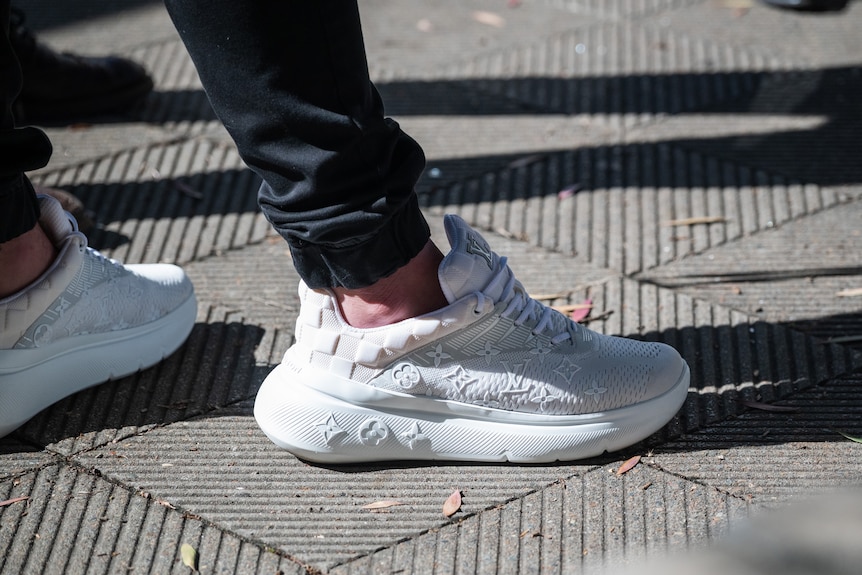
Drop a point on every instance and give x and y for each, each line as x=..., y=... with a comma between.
x=738, y=371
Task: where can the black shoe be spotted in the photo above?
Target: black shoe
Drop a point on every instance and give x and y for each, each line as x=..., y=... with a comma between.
x=810, y=5
x=66, y=88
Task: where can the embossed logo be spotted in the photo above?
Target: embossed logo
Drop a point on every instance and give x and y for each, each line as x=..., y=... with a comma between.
x=478, y=248
x=413, y=436
x=405, y=375
x=373, y=432
x=329, y=429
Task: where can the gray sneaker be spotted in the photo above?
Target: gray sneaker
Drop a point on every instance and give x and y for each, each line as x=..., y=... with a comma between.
x=494, y=376
x=86, y=320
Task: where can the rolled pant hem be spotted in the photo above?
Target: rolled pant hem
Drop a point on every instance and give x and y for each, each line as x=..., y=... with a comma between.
x=361, y=265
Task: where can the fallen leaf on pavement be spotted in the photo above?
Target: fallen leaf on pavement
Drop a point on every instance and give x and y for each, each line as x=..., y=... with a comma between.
x=452, y=504
x=14, y=500
x=489, y=19
x=190, y=556
x=850, y=437
x=628, y=465
x=569, y=308
x=568, y=192
x=695, y=221
x=580, y=314
x=769, y=407
x=548, y=296
x=382, y=505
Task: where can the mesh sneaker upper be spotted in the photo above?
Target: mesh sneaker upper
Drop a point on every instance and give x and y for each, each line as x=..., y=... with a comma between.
x=493, y=346
x=84, y=292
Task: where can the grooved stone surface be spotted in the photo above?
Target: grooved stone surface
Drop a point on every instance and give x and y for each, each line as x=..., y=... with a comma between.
x=691, y=167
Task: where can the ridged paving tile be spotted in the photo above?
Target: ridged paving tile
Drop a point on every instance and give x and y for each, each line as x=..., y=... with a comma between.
x=622, y=8
x=17, y=457
x=626, y=72
x=76, y=522
x=629, y=207
x=797, y=274
x=775, y=457
x=578, y=524
x=223, y=469
x=168, y=203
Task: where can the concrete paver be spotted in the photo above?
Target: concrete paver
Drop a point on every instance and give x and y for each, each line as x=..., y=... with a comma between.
x=690, y=166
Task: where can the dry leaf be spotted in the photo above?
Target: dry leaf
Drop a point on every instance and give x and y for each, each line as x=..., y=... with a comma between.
x=769, y=407
x=550, y=296
x=452, y=504
x=850, y=437
x=189, y=191
x=628, y=464
x=579, y=315
x=695, y=221
x=489, y=19
x=569, y=308
x=14, y=500
x=853, y=292
x=568, y=192
x=190, y=556
x=382, y=505
x=844, y=339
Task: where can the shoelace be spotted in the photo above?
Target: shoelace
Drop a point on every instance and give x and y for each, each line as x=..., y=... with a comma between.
x=84, y=243
x=526, y=307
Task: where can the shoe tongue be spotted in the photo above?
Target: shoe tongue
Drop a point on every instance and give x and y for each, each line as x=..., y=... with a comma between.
x=55, y=221
x=470, y=265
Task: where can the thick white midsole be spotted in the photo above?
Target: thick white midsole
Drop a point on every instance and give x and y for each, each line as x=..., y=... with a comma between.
x=33, y=379
x=336, y=421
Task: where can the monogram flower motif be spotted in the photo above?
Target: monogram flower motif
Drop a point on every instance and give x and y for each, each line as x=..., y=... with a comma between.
x=329, y=428
x=567, y=370
x=543, y=399
x=438, y=354
x=488, y=352
x=595, y=391
x=460, y=378
x=373, y=432
x=413, y=436
x=540, y=350
x=405, y=375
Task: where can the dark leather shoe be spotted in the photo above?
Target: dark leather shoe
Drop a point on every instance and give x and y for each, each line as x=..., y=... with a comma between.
x=810, y=5
x=60, y=87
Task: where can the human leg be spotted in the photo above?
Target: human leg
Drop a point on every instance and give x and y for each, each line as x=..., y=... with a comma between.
x=292, y=76
x=69, y=317
x=485, y=373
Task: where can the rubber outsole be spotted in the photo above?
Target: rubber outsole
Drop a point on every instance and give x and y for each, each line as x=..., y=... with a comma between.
x=322, y=428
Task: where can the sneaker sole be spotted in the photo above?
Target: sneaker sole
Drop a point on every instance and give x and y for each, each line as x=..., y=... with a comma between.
x=319, y=427
x=33, y=379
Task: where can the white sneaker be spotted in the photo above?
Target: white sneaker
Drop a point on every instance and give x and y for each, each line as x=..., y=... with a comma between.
x=494, y=376
x=86, y=320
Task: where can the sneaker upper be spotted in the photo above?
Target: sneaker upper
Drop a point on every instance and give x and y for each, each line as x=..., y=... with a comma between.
x=493, y=346
x=83, y=292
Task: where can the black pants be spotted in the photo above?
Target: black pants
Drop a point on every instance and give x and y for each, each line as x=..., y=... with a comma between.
x=20, y=149
x=289, y=80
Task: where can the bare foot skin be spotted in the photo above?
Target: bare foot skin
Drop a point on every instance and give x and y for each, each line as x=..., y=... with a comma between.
x=411, y=291
x=24, y=259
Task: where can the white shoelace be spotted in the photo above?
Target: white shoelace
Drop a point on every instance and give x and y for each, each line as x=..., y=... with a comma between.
x=526, y=307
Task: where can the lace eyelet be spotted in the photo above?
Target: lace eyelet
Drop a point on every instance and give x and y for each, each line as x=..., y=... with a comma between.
x=477, y=311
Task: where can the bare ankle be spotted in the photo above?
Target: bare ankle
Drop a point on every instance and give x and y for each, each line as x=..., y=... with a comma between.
x=24, y=259
x=411, y=291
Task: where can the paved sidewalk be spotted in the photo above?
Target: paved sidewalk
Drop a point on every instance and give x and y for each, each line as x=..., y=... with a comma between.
x=692, y=167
